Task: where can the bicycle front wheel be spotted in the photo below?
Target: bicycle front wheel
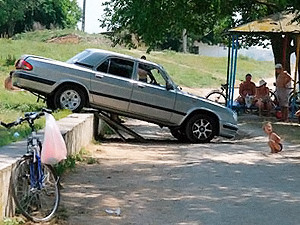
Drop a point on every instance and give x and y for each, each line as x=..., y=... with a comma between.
x=37, y=199
x=294, y=102
x=217, y=96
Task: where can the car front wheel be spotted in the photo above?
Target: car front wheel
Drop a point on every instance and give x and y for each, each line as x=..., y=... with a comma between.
x=70, y=97
x=200, y=129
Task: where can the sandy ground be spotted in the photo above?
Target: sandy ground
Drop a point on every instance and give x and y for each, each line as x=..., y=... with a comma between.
x=163, y=182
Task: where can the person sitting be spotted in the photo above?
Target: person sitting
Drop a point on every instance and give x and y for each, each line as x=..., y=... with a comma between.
x=8, y=83
x=263, y=97
x=142, y=75
x=247, y=88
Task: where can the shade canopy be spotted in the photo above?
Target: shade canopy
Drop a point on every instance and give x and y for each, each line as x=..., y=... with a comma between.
x=281, y=22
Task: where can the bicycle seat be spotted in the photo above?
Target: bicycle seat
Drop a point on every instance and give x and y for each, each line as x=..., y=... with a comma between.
x=224, y=86
x=28, y=155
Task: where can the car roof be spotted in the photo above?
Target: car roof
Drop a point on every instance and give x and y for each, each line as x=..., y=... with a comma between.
x=110, y=53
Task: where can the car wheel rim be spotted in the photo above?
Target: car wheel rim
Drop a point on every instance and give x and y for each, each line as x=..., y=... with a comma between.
x=202, y=129
x=70, y=99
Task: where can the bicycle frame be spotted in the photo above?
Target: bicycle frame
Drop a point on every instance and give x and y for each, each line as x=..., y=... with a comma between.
x=34, y=147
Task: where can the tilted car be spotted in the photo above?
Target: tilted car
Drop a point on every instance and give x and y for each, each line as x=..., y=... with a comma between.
x=127, y=86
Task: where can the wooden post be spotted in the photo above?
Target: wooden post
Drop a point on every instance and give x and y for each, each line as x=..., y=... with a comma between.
x=295, y=76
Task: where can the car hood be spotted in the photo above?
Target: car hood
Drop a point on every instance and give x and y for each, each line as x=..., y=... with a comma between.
x=203, y=103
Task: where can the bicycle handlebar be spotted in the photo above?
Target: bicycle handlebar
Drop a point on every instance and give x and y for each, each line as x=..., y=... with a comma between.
x=29, y=116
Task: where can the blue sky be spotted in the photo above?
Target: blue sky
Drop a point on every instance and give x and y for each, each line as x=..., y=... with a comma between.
x=94, y=11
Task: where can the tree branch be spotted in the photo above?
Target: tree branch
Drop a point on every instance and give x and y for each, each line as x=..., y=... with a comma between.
x=266, y=3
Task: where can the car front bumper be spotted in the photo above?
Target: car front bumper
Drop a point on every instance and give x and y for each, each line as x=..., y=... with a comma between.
x=228, y=130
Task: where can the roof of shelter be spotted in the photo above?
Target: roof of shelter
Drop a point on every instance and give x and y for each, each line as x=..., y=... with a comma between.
x=281, y=22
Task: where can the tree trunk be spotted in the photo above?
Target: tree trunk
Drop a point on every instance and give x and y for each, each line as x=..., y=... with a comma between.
x=184, y=41
x=11, y=29
x=278, y=47
x=83, y=16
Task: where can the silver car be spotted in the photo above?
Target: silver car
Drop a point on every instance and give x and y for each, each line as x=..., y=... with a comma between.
x=126, y=86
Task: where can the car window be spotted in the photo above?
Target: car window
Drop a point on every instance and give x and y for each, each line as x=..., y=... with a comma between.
x=117, y=67
x=150, y=74
x=104, y=66
x=79, y=56
x=86, y=58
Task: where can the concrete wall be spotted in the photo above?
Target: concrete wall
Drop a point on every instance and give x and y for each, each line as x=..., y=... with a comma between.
x=77, y=130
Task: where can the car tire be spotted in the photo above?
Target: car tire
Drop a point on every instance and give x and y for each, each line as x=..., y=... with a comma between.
x=178, y=134
x=200, y=129
x=70, y=97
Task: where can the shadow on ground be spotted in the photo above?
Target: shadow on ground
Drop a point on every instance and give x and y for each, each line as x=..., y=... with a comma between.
x=165, y=182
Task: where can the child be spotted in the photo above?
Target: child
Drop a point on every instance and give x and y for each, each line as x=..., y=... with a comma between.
x=274, y=139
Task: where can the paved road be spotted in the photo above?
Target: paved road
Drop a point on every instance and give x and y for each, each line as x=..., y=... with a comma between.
x=163, y=182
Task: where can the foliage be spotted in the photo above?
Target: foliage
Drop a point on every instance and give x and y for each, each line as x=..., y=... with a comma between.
x=12, y=221
x=17, y=15
x=155, y=21
x=70, y=162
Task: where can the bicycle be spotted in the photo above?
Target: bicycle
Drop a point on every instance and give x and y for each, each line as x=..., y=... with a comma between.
x=219, y=95
x=34, y=186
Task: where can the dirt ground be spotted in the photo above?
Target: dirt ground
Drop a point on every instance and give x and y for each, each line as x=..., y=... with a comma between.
x=165, y=182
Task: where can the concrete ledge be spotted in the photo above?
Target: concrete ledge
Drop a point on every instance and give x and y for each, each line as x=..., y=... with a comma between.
x=77, y=130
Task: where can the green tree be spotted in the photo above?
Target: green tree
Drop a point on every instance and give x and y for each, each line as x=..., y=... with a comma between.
x=156, y=21
x=18, y=15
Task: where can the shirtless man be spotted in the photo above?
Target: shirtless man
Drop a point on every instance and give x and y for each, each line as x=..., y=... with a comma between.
x=283, y=84
x=246, y=88
x=263, y=98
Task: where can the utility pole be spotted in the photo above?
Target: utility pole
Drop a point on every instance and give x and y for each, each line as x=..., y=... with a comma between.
x=83, y=16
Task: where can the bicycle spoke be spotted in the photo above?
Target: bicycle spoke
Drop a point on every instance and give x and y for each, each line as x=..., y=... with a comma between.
x=38, y=202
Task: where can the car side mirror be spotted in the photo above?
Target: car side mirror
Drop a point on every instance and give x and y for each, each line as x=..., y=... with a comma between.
x=169, y=86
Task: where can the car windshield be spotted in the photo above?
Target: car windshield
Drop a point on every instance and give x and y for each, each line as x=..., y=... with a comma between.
x=86, y=58
x=167, y=76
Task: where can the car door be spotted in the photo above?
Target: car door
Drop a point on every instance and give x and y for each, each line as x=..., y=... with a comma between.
x=111, y=86
x=150, y=97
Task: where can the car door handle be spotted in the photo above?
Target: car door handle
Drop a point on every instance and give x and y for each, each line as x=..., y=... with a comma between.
x=98, y=75
x=141, y=85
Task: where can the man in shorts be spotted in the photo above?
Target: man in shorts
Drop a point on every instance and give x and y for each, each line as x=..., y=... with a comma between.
x=283, y=84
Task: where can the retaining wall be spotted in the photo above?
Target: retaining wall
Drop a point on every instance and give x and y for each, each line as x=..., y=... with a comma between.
x=77, y=130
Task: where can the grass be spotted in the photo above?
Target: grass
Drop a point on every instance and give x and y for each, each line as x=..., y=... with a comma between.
x=7, y=136
x=186, y=69
x=12, y=221
x=82, y=156
x=289, y=132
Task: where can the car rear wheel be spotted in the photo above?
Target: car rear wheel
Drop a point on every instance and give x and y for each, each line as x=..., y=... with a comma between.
x=200, y=129
x=70, y=97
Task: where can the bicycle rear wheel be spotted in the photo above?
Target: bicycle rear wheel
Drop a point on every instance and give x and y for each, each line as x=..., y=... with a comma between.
x=38, y=201
x=217, y=96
